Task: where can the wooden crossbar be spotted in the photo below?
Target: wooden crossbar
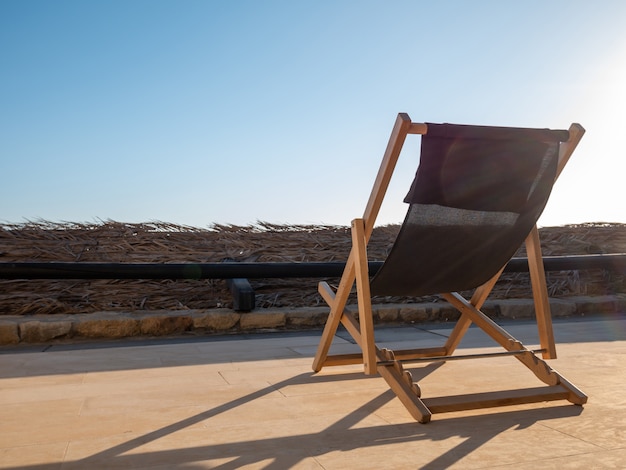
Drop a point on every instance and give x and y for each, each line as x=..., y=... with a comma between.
x=475, y=401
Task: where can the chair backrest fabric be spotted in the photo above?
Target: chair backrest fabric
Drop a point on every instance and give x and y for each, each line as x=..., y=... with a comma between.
x=477, y=193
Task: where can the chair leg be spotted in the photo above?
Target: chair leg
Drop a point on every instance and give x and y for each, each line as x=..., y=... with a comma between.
x=540, y=294
x=366, y=320
x=401, y=382
x=336, y=311
x=478, y=299
x=538, y=366
x=356, y=270
x=401, y=129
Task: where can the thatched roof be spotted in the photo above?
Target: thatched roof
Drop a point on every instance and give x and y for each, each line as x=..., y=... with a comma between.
x=159, y=242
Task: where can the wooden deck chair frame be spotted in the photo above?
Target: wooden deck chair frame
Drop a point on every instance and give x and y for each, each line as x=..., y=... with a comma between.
x=389, y=363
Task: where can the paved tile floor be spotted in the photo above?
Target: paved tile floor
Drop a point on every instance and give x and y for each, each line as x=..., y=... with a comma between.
x=251, y=401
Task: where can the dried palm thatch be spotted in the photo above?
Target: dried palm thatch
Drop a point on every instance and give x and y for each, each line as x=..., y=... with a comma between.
x=160, y=242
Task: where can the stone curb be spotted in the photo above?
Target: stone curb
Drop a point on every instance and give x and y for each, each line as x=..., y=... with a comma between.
x=114, y=325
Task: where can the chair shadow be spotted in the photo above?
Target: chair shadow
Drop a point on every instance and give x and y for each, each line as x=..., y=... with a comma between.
x=287, y=451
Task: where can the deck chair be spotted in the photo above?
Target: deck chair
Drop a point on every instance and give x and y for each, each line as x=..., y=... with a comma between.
x=476, y=197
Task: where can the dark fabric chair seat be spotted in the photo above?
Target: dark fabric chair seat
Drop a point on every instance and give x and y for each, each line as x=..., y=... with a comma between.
x=477, y=193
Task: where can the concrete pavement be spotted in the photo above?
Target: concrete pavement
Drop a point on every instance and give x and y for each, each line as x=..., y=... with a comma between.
x=251, y=401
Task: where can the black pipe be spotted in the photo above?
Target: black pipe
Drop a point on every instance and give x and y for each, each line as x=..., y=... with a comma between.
x=69, y=270
x=615, y=262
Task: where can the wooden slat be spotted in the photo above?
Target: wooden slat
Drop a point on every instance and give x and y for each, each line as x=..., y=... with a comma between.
x=343, y=359
x=499, y=334
x=326, y=292
x=401, y=355
x=336, y=312
x=540, y=294
x=463, y=323
x=408, y=354
x=401, y=382
x=418, y=128
x=576, y=395
x=346, y=318
x=366, y=320
x=495, y=399
x=390, y=158
x=352, y=326
x=566, y=149
x=538, y=366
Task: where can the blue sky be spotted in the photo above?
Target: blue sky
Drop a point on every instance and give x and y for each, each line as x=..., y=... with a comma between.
x=201, y=112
